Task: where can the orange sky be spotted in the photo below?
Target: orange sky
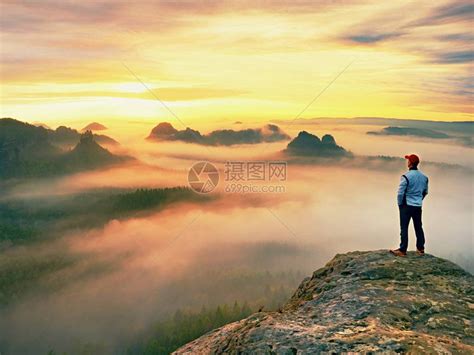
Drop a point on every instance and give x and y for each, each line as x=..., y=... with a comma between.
x=66, y=62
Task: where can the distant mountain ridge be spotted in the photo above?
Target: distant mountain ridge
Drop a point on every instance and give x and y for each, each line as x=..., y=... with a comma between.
x=361, y=302
x=164, y=131
x=307, y=148
x=94, y=126
x=28, y=151
x=466, y=138
x=62, y=136
x=406, y=131
x=457, y=132
x=67, y=137
x=464, y=127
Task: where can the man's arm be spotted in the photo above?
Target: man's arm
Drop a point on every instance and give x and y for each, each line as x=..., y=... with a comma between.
x=425, y=191
x=401, y=190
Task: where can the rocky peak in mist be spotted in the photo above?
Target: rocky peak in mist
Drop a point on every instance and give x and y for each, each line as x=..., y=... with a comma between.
x=267, y=133
x=90, y=152
x=163, y=129
x=361, y=302
x=307, y=144
x=68, y=137
x=94, y=126
x=328, y=139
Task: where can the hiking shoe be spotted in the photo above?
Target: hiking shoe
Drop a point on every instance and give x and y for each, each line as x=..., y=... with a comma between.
x=420, y=252
x=398, y=252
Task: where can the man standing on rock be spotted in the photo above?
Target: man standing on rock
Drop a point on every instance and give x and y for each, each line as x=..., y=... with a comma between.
x=411, y=192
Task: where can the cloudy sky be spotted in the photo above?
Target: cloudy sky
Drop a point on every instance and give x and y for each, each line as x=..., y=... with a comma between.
x=76, y=61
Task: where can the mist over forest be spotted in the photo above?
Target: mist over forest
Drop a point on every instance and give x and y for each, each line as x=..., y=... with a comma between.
x=169, y=168
x=120, y=254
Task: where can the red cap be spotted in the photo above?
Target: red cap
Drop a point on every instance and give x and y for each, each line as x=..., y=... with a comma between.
x=413, y=158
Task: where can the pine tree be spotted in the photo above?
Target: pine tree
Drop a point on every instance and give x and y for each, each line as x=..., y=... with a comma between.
x=236, y=311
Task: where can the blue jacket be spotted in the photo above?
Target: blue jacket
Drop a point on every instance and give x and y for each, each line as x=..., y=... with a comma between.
x=413, y=187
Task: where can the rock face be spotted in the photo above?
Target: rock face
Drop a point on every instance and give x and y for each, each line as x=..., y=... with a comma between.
x=307, y=144
x=361, y=302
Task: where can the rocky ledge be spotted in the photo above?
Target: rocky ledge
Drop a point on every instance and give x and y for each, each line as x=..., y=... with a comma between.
x=361, y=302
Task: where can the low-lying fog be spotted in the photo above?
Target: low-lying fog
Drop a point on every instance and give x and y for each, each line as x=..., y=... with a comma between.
x=131, y=272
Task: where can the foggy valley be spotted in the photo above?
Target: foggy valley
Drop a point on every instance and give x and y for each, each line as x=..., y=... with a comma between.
x=101, y=256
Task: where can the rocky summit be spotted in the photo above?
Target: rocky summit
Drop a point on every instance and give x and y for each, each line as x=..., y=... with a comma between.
x=361, y=302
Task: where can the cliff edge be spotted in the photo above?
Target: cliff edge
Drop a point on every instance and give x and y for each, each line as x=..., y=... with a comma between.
x=361, y=302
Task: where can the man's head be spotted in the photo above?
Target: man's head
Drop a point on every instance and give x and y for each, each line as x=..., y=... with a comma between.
x=412, y=160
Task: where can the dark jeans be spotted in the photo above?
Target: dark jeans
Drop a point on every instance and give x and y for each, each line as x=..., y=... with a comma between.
x=407, y=213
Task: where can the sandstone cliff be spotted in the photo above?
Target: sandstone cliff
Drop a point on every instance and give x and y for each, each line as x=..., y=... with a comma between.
x=361, y=302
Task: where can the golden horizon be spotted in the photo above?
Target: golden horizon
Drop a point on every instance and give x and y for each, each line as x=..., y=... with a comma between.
x=110, y=62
